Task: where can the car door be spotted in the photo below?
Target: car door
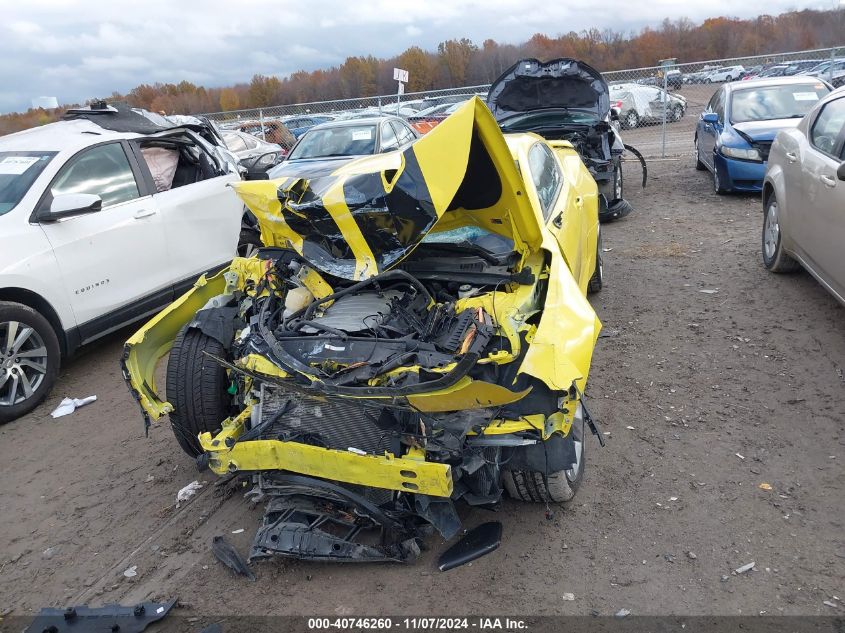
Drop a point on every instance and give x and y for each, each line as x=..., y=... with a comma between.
x=656, y=102
x=114, y=261
x=709, y=132
x=387, y=137
x=819, y=220
x=559, y=205
x=200, y=213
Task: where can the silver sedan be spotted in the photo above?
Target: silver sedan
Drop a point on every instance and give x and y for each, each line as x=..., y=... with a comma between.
x=804, y=196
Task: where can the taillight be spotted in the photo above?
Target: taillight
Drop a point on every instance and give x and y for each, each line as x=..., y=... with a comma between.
x=618, y=105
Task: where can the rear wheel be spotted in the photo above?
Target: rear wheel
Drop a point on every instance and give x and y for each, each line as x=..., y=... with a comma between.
x=631, y=119
x=29, y=359
x=677, y=113
x=774, y=257
x=196, y=387
x=559, y=487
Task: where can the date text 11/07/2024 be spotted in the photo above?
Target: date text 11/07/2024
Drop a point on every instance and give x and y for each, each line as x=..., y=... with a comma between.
x=421, y=623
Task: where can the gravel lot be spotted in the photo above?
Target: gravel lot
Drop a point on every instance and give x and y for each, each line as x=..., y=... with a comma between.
x=704, y=396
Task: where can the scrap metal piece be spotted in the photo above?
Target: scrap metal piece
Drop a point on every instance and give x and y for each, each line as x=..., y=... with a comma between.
x=226, y=553
x=110, y=617
x=479, y=541
x=311, y=519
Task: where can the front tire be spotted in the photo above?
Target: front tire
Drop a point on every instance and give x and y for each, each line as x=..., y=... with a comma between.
x=631, y=120
x=29, y=359
x=558, y=487
x=196, y=387
x=718, y=187
x=774, y=257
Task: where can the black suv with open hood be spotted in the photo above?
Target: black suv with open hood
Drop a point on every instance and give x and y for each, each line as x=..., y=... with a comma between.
x=565, y=99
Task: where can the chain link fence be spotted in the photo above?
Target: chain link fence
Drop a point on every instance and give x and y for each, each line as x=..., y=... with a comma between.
x=657, y=106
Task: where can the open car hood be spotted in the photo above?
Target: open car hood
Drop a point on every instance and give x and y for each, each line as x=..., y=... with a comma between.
x=531, y=85
x=369, y=214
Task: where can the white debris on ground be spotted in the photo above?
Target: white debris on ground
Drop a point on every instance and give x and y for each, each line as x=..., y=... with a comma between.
x=131, y=572
x=187, y=492
x=69, y=405
x=744, y=568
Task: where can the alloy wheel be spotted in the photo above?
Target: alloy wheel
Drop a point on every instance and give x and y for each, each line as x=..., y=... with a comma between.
x=23, y=362
x=247, y=250
x=771, y=231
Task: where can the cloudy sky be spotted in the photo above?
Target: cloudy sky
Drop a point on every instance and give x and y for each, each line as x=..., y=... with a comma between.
x=75, y=50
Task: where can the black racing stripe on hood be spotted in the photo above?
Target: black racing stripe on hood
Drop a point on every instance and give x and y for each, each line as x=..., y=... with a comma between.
x=394, y=222
x=323, y=243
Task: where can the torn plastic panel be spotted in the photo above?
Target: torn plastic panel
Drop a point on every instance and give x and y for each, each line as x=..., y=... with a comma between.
x=311, y=519
x=109, y=617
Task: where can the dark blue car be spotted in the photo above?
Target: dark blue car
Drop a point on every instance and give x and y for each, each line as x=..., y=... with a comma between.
x=739, y=124
x=299, y=125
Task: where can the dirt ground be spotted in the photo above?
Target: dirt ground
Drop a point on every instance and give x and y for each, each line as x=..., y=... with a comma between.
x=703, y=397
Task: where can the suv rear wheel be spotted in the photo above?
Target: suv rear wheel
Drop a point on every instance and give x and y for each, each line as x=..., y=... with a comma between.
x=29, y=359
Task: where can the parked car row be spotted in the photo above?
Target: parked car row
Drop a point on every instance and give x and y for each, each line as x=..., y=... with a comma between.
x=167, y=189
x=784, y=137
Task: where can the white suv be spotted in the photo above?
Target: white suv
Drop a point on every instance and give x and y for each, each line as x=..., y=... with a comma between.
x=728, y=73
x=103, y=220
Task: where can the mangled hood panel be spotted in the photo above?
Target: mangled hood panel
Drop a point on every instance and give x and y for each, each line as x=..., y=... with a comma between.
x=531, y=85
x=369, y=214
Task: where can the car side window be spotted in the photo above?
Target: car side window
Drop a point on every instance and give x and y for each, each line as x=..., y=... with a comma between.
x=388, y=137
x=546, y=176
x=720, y=105
x=828, y=126
x=404, y=135
x=711, y=105
x=103, y=171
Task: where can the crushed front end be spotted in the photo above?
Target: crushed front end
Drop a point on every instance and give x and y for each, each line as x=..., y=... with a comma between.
x=409, y=334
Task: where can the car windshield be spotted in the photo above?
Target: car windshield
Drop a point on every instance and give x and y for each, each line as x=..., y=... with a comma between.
x=474, y=237
x=346, y=140
x=768, y=103
x=548, y=118
x=18, y=170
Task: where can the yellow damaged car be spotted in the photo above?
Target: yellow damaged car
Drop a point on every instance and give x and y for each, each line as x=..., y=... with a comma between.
x=414, y=333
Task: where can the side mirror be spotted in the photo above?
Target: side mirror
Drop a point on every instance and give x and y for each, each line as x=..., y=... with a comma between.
x=710, y=117
x=68, y=204
x=262, y=163
x=840, y=173
x=256, y=174
x=614, y=114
